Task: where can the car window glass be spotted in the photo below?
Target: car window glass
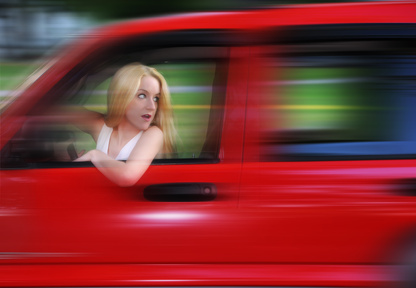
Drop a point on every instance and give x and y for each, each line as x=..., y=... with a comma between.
x=196, y=77
x=190, y=85
x=343, y=96
x=191, y=92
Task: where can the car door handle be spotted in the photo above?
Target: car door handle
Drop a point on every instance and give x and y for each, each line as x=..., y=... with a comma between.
x=406, y=187
x=180, y=192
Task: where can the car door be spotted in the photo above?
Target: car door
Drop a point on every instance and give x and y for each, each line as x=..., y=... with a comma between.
x=181, y=211
x=329, y=167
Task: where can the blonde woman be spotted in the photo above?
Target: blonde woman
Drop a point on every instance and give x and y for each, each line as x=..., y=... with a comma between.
x=138, y=125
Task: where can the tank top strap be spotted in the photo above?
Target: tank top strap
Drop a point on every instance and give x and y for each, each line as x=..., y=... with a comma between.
x=104, y=139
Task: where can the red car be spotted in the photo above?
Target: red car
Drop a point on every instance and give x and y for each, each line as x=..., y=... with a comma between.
x=297, y=164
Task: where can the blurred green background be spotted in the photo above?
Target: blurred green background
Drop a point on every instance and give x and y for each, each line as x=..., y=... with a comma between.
x=31, y=28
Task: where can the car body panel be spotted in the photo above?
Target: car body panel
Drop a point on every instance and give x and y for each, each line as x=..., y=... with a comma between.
x=186, y=275
x=308, y=223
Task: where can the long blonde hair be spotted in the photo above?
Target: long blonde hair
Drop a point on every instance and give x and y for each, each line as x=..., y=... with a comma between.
x=123, y=88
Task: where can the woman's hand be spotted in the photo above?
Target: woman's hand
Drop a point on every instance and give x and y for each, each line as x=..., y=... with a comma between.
x=86, y=157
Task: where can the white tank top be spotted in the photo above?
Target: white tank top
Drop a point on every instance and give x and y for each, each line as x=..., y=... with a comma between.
x=104, y=140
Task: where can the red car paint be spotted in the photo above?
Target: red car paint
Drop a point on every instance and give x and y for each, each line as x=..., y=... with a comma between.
x=308, y=223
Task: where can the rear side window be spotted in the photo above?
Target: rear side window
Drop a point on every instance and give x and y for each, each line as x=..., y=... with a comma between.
x=341, y=92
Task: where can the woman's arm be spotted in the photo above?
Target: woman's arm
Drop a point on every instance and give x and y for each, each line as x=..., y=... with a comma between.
x=87, y=121
x=128, y=173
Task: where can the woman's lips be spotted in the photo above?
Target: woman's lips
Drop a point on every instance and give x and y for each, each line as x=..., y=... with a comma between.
x=147, y=117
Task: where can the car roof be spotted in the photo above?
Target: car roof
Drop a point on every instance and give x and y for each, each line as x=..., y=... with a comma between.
x=307, y=14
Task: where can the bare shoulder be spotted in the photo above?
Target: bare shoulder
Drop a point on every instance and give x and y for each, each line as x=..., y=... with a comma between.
x=149, y=144
x=153, y=132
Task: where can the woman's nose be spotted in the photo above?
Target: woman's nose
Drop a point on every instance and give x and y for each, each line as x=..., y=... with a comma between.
x=151, y=105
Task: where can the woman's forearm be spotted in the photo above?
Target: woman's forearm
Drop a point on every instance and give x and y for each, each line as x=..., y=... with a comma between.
x=128, y=173
x=123, y=174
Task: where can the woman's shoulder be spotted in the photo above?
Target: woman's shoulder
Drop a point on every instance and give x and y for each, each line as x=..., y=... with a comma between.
x=149, y=143
x=153, y=130
x=153, y=134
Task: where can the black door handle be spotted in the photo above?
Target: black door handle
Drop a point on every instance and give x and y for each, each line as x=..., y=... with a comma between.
x=405, y=187
x=180, y=192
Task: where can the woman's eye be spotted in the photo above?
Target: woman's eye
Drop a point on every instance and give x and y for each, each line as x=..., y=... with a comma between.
x=156, y=99
x=142, y=96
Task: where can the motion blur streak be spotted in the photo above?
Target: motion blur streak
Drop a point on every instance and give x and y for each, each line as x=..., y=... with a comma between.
x=171, y=216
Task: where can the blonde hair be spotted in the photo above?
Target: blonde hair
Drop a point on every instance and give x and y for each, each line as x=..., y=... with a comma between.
x=123, y=88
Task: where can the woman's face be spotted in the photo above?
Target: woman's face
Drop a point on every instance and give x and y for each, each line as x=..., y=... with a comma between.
x=142, y=109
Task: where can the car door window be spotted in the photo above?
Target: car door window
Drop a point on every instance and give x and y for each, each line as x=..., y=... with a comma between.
x=196, y=79
x=191, y=88
x=341, y=93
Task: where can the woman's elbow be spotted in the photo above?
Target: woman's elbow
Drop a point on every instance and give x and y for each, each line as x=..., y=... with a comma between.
x=125, y=183
x=127, y=180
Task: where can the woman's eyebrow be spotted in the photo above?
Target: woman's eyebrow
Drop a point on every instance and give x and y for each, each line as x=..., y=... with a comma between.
x=144, y=90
